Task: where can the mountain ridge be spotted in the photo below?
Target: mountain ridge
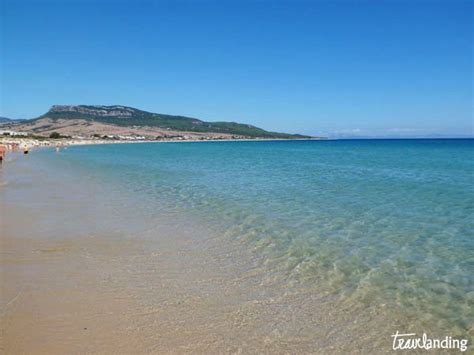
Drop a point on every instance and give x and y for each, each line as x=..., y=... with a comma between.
x=126, y=116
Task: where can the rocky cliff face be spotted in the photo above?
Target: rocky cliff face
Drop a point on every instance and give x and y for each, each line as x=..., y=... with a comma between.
x=100, y=111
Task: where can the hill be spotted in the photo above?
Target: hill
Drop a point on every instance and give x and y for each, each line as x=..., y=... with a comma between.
x=129, y=117
x=6, y=120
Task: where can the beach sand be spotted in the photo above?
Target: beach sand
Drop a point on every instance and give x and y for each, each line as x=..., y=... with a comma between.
x=73, y=281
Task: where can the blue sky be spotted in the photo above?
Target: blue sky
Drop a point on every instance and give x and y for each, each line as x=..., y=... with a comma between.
x=341, y=68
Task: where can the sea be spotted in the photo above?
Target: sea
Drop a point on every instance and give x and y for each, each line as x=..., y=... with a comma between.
x=385, y=226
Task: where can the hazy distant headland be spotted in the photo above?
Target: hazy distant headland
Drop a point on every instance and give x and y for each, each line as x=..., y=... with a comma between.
x=8, y=120
x=121, y=121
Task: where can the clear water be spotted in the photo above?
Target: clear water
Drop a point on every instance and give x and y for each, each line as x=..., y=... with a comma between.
x=372, y=222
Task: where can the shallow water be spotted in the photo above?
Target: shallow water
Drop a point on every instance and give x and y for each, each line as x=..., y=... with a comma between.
x=384, y=226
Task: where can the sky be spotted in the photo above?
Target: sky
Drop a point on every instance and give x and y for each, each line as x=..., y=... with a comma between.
x=336, y=68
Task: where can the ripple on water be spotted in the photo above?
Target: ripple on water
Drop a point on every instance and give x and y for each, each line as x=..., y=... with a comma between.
x=386, y=222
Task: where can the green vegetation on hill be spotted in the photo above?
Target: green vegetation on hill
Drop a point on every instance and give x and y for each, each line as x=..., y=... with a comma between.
x=128, y=116
x=56, y=135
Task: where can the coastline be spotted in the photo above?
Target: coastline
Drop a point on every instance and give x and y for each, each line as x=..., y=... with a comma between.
x=31, y=143
x=139, y=252
x=172, y=286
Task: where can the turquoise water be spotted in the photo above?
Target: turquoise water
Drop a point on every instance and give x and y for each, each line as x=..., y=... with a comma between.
x=370, y=221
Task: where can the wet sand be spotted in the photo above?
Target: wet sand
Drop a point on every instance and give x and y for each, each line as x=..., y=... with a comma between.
x=81, y=273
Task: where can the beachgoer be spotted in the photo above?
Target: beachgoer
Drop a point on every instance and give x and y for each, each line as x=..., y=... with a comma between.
x=3, y=152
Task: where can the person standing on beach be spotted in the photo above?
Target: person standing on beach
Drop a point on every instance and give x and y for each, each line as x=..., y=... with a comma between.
x=3, y=152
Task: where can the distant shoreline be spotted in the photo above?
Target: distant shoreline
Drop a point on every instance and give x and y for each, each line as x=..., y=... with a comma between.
x=29, y=143
x=32, y=143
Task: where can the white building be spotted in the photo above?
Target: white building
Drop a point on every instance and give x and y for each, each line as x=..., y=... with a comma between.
x=13, y=133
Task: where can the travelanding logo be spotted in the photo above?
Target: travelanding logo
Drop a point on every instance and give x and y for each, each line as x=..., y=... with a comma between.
x=411, y=342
